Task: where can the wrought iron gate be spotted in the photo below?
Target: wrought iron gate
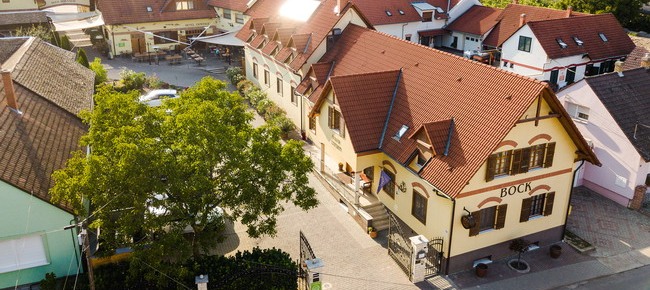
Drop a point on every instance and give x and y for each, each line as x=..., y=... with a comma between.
x=306, y=253
x=399, y=247
x=434, y=257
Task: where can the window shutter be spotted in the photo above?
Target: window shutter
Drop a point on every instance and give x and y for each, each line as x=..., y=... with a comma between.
x=525, y=160
x=525, y=210
x=342, y=125
x=329, y=117
x=491, y=167
x=501, y=216
x=550, y=152
x=548, y=207
x=477, y=227
x=516, y=162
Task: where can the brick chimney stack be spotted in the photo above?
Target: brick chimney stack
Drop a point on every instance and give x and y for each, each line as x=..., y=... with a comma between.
x=10, y=91
x=522, y=20
x=569, y=10
x=645, y=61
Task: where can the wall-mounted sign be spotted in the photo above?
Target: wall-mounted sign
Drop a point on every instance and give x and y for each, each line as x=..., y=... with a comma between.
x=42, y=4
x=511, y=190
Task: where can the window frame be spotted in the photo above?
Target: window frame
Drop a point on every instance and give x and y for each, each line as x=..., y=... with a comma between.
x=389, y=188
x=577, y=112
x=427, y=16
x=294, y=98
x=255, y=69
x=182, y=5
x=525, y=43
x=279, y=86
x=520, y=161
x=267, y=78
x=312, y=124
x=497, y=220
x=419, y=207
x=19, y=261
x=537, y=206
x=239, y=18
x=227, y=14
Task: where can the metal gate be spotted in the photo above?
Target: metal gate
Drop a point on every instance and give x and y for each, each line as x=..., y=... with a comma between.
x=306, y=253
x=434, y=257
x=399, y=247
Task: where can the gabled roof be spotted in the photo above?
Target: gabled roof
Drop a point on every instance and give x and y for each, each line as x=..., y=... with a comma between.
x=437, y=134
x=364, y=100
x=633, y=60
x=587, y=30
x=477, y=20
x=237, y=5
x=376, y=11
x=508, y=21
x=484, y=101
x=22, y=17
x=117, y=12
x=627, y=99
x=50, y=72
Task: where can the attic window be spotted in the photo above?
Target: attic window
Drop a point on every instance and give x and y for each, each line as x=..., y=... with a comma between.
x=577, y=40
x=149, y=9
x=389, y=13
x=401, y=12
x=561, y=43
x=401, y=132
x=602, y=36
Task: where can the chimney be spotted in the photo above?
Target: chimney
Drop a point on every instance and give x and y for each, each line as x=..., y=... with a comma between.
x=522, y=20
x=10, y=92
x=569, y=10
x=618, y=67
x=645, y=61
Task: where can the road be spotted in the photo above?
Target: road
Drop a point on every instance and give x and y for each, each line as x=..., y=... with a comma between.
x=637, y=279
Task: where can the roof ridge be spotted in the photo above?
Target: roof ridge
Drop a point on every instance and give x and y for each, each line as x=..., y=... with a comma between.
x=570, y=18
x=363, y=74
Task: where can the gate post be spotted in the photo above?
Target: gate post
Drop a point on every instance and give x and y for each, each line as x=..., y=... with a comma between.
x=418, y=258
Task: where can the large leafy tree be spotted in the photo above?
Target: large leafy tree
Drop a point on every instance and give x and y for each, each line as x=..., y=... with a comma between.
x=152, y=172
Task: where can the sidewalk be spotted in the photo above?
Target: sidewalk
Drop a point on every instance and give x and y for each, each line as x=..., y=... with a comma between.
x=621, y=238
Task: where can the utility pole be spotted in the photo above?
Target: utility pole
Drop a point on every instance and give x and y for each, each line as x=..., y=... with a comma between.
x=86, y=243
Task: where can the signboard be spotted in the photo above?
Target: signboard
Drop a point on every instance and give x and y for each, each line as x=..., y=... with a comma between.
x=42, y=4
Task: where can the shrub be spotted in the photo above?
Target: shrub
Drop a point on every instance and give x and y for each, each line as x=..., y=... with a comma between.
x=82, y=58
x=263, y=105
x=49, y=283
x=273, y=111
x=101, y=76
x=232, y=72
x=153, y=82
x=131, y=80
x=256, y=96
x=283, y=123
x=65, y=43
x=244, y=86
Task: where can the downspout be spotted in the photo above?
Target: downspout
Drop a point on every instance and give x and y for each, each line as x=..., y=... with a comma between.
x=390, y=109
x=113, y=40
x=568, y=206
x=451, y=234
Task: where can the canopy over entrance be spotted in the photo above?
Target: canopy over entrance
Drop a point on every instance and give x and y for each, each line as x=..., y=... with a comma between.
x=75, y=21
x=227, y=38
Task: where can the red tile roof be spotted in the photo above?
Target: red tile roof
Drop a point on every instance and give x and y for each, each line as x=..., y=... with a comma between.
x=477, y=20
x=484, y=101
x=437, y=132
x=587, y=30
x=510, y=16
x=135, y=11
x=375, y=11
x=237, y=5
x=364, y=100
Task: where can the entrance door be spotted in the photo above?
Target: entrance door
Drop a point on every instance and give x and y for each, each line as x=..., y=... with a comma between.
x=137, y=43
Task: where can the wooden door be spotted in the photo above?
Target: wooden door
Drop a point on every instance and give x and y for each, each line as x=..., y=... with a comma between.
x=138, y=43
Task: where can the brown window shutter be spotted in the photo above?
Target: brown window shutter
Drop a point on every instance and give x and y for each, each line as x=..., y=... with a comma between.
x=491, y=167
x=477, y=227
x=342, y=124
x=548, y=207
x=525, y=210
x=501, y=216
x=516, y=162
x=525, y=160
x=550, y=152
x=330, y=113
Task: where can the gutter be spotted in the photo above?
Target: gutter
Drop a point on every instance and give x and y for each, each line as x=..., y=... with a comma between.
x=568, y=206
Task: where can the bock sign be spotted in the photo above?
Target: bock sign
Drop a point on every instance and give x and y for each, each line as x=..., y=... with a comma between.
x=519, y=188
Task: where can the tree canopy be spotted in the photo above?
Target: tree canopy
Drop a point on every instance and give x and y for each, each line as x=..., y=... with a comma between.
x=152, y=172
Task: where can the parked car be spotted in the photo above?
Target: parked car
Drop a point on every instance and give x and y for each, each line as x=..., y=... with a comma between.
x=155, y=97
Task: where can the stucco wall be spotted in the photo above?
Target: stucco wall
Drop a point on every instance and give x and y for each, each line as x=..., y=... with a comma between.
x=31, y=216
x=523, y=63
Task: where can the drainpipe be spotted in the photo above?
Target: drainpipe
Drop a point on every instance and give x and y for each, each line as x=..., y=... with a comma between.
x=403, y=29
x=573, y=180
x=451, y=233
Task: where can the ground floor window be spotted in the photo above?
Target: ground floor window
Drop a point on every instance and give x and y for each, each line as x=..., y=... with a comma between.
x=419, y=207
x=22, y=253
x=489, y=218
x=538, y=205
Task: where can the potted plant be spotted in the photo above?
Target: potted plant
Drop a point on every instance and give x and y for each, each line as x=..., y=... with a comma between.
x=481, y=269
x=556, y=251
x=520, y=246
x=340, y=166
x=372, y=232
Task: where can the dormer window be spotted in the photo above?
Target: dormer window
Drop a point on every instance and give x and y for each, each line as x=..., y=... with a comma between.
x=401, y=132
x=561, y=43
x=400, y=11
x=427, y=16
x=578, y=41
x=184, y=5
x=602, y=36
x=149, y=9
x=389, y=13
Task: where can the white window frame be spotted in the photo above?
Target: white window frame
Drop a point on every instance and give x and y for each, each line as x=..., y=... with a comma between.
x=23, y=252
x=577, y=112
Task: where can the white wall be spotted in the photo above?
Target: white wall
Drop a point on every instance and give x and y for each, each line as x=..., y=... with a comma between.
x=400, y=30
x=533, y=61
x=618, y=156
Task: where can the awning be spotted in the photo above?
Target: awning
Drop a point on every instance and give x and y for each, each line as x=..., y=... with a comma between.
x=75, y=21
x=432, y=32
x=227, y=38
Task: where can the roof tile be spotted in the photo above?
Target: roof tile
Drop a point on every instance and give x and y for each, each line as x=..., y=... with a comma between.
x=117, y=12
x=477, y=20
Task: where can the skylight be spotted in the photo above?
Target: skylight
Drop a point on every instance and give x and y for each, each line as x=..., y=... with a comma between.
x=299, y=10
x=561, y=42
x=389, y=13
x=400, y=11
x=149, y=9
x=577, y=40
x=602, y=36
x=401, y=132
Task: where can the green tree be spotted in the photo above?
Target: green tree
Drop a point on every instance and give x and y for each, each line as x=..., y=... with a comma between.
x=154, y=171
x=628, y=12
x=39, y=31
x=101, y=76
x=82, y=58
x=65, y=43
